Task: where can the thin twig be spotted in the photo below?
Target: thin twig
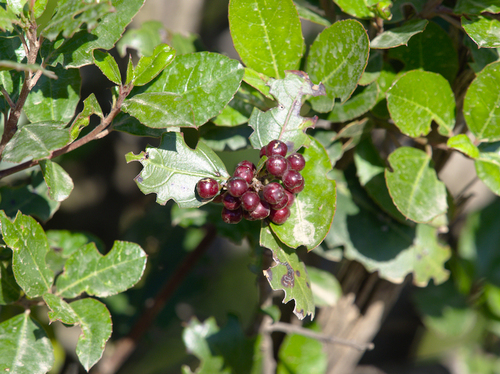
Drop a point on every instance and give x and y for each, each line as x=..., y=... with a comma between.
x=7, y=97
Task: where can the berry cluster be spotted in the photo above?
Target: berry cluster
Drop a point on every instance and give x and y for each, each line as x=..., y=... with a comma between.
x=256, y=195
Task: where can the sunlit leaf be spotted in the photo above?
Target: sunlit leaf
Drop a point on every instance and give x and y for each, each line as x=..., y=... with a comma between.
x=358, y=104
x=325, y=287
x=357, y=8
x=484, y=30
x=462, y=143
x=7, y=19
x=311, y=16
x=399, y=35
x=58, y=181
x=488, y=170
x=150, y=66
x=259, y=81
x=90, y=106
x=108, y=66
x=143, y=40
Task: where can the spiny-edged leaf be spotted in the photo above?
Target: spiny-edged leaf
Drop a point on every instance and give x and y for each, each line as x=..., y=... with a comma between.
x=284, y=122
x=476, y=6
x=267, y=35
x=161, y=110
x=72, y=14
x=313, y=209
x=413, y=184
x=93, y=318
x=173, y=169
x=36, y=141
x=484, y=30
x=31, y=199
x=54, y=99
x=482, y=104
x=150, y=66
x=462, y=143
x=88, y=271
x=29, y=247
x=107, y=64
x=373, y=68
x=7, y=19
x=77, y=51
x=311, y=16
x=130, y=125
x=431, y=50
x=488, y=170
x=357, y=8
x=143, y=40
x=9, y=289
x=399, y=35
x=11, y=49
x=25, y=347
x=360, y=103
x=337, y=59
x=289, y=274
x=90, y=106
x=12, y=65
x=259, y=81
x=58, y=181
x=417, y=98
x=206, y=80
x=325, y=287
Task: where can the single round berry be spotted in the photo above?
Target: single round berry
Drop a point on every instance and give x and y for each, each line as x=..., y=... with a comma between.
x=244, y=172
x=273, y=193
x=291, y=198
x=281, y=204
x=232, y=216
x=207, y=188
x=298, y=188
x=296, y=161
x=292, y=178
x=279, y=216
x=231, y=202
x=237, y=186
x=276, y=165
x=261, y=212
x=262, y=152
x=250, y=200
x=276, y=147
x=247, y=164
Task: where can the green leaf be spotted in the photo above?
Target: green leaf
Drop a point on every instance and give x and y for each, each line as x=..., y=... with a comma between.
x=284, y=122
x=58, y=181
x=289, y=274
x=36, y=141
x=29, y=246
x=173, y=169
x=481, y=104
x=39, y=7
x=360, y=103
x=267, y=35
x=462, y=143
x=258, y=81
x=94, y=320
x=72, y=14
x=126, y=123
x=150, y=66
x=16, y=5
x=143, y=40
x=107, y=64
x=417, y=98
x=399, y=35
x=90, y=106
x=431, y=50
x=476, y=6
x=484, y=30
x=206, y=80
x=413, y=184
x=7, y=19
x=88, y=271
x=12, y=65
x=337, y=59
x=311, y=16
x=373, y=68
x=11, y=49
x=9, y=290
x=481, y=56
x=357, y=8
x=223, y=138
x=54, y=100
x=488, y=170
x=311, y=216
x=25, y=347
x=325, y=287
x=333, y=146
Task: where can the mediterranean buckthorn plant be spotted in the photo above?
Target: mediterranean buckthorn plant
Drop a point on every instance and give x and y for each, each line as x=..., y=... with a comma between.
x=322, y=150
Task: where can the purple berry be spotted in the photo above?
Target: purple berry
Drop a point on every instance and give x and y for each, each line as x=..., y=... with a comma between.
x=298, y=188
x=244, y=172
x=276, y=165
x=276, y=147
x=281, y=204
x=231, y=202
x=237, y=186
x=273, y=193
x=232, y=216
x=292, y=178
x=291, y=198
x=261, y=212
x=262, y=152
x=207, y=188
x=247, y=164
x=250, y=200
x=297, y=161
x=279, y=216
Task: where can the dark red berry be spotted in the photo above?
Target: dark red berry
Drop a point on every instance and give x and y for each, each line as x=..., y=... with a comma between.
x=262, y=151
x=217, y=199
x=231, y=202
x=232, y=216
x=250, y=201
x=207, y=188
x=292, y=178
x=276, y=147
x=244, y=172
x=237, y=186
x=298, y=188
x=279, y=216
x=273, y=193
x=276, y=165
x=291, y=198
x=261, y=212
x=296, y=161
x=247, y=164
x=282, y=203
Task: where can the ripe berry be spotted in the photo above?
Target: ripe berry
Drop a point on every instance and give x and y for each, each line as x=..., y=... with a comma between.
x=276, y=147
x=292, y=178
x=247, y=164
x=237, y=186
x=231, y=202
x=291, y=198
x=244, y=172
x=276, y=165
x=232, y=216
x=273, y=193
x=261, y=212
x=250, y=200
x=298, y=188
x=297, y=161
x=262, y=152
x=279, y=216
x=207, y=188
x=281, y=204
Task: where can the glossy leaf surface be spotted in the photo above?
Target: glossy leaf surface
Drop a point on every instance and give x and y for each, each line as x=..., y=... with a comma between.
x=267, y=35
x=462, y=143
x=25, y=347
x=58, y=181
x=414, y=186
x=107, y=64
x=90, y=106
x=476, y=6
x=398, y=35
x=337, y=59
x=309, y=15
x=289, y=274
x=356, y=8
x=484, y=30
x=29, y=247
x=150, y=66
x=488, y=170
x=358, y=104
x=88, y=271
x=417, y=98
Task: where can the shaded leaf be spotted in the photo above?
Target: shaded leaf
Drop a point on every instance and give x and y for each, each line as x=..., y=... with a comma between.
x=173, y=169
x=484, y=30
x=325, y=287
x=88, y=271
x=108, y=66
x=9, y=290
x=413, y=184
x=476, y=6
x=90, y=106
x=488, y=170
x=357, y=8
x=11, y=49
x=417, y=98
x=259, y=81
x=267, y=35
x=150, y=66
x=333, y=146
x=29, y=247
x=373, y=68
x=358, y=104
x=481, y=56
x=220, y=139
x=399, y=35
x=311, y=16
x=58, y=181
x=337, y=59
x=289, y=274
x=143, y=39
x=25, y=347
x=462, y=143
x=126, y=123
